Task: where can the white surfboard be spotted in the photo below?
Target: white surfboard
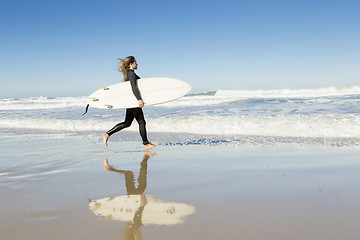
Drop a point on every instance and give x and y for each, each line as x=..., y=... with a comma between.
x=153, y=91
x=156, y=211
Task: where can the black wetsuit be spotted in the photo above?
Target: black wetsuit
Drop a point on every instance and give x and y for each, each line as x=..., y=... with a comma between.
x=132, y=113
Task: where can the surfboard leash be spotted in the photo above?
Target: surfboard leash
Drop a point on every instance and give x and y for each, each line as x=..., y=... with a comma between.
x=100, y=146
x=95, y=143
x=86, y=109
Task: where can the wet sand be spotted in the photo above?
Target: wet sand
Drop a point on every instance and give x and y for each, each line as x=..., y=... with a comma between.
x=221, y=191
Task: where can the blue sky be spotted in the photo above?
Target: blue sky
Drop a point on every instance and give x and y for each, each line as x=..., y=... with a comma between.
x=68, y=48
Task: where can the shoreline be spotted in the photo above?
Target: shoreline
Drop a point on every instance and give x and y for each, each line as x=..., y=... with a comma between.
x=172, y=139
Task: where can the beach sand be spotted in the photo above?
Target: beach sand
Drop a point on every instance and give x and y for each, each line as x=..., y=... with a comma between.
x=230, y=191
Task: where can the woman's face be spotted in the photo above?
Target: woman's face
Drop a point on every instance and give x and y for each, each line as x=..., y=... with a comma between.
x=133, y=65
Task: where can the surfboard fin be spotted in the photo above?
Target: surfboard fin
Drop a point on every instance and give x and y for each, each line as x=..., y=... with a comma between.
x=104, y=87
x=109, y=106
x=94, y=99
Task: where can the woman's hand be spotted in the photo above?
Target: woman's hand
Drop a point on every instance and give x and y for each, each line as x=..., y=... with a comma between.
x=141, y=103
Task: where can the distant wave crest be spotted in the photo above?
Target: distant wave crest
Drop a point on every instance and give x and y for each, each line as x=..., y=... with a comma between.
x=289, y=93
x=219, y=97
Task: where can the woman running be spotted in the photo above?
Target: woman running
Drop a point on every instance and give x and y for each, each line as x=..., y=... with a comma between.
x=127, y=67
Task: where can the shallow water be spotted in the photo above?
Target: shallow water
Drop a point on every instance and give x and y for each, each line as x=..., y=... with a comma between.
x=236, y=191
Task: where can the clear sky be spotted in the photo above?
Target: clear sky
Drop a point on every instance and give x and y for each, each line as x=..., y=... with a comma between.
x=68, y=47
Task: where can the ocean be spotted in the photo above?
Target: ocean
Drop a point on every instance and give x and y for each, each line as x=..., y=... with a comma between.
x=247, y=164
x=328, y=116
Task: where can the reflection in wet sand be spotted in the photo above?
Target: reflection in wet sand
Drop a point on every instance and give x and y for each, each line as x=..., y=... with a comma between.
x=151, y=210
x=137, y=209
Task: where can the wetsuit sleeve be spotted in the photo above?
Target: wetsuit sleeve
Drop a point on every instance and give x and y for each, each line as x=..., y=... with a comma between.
x=133, y=82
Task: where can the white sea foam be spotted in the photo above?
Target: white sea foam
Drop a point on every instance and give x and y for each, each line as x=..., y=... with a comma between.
x=42, y=103
x=305, y=113
x=325, y=125
x=281, y=126
x=203, y=100
x=56, y=124
x=224, y=97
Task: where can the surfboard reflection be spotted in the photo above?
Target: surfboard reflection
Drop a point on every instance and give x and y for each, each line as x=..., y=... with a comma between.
x=137, y=209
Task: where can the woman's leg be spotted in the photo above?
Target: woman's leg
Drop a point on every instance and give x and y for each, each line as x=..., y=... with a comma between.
x=139, y=116
x=127, y=123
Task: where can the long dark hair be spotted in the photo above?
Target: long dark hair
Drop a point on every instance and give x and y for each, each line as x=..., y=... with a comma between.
x=124, y=65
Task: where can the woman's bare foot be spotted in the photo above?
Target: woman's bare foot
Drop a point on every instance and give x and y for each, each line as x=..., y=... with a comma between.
x=149, y=146
x=105, y=137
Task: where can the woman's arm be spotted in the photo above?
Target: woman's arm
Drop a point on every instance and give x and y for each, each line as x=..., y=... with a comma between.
x=133, y=82
x=132, y=77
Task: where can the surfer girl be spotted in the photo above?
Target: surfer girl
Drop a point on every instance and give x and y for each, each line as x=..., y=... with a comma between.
x=127, y=67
